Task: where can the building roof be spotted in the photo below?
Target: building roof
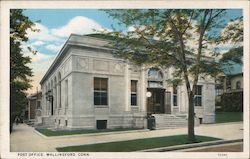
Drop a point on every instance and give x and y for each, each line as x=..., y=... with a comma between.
x=233, y=69
x=94, y=41
x=34, y=95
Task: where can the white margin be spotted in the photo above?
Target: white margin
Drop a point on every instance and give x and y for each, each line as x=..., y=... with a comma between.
x=4, y=69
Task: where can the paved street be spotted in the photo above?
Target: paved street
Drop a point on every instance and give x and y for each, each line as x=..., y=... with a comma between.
x=24, y=138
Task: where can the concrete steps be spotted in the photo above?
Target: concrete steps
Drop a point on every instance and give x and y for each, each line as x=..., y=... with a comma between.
x=170, y=121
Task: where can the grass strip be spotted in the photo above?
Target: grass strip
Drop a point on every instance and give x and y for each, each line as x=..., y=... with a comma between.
x=225, y=117
x=49, y=132
x=135, y=145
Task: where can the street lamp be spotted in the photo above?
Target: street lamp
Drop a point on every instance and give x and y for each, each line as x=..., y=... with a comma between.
x=49, y=97
x=148, y=94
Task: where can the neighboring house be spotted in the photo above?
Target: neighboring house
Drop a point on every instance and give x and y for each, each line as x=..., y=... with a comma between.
x=34, y=109
x=229, y=91
x=86, y=87
x=233, y=83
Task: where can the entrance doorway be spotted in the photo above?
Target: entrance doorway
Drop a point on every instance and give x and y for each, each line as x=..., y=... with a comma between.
x=155, y=103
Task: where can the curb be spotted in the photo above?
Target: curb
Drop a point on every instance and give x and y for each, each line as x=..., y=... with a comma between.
x=187, y=146
x=40, y=134
x=228, y=123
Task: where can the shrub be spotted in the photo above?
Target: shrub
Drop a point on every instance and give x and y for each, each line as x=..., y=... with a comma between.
x=232, y=102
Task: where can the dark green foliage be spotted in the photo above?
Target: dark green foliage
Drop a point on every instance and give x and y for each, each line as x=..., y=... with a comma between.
x=233, y=56
x=135, y=145
x=19, y=71
x=232, y=102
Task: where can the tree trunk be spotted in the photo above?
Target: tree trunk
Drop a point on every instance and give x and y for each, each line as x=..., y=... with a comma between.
x=191, y=134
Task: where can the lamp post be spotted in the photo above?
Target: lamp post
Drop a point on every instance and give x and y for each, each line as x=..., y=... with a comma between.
x=49, y=97
x=148, y=95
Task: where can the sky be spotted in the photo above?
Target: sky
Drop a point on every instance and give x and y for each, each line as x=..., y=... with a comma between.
x=56, y=25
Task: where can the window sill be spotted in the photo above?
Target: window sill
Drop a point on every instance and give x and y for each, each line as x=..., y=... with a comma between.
x=101, y=106
x=198, y=106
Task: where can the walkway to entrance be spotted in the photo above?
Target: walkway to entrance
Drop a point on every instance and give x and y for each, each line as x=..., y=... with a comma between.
x=25, y=139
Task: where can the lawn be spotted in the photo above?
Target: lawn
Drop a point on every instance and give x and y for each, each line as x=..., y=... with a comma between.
x=49, y=132
x=224, y=117
x=134, y=145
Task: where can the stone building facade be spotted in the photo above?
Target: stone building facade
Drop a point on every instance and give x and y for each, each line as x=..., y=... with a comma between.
x=92, y=89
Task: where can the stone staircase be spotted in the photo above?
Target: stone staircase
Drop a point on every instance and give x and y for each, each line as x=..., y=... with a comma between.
x=170, y=121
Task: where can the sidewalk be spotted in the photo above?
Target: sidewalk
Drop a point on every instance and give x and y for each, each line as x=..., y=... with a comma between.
x=24, y=138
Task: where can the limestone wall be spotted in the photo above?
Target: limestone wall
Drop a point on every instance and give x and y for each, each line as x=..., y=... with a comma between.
x=74, y=77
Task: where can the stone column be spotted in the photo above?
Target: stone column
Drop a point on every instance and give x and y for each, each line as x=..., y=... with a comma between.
x=143, y=90
x=29, y=110
x=46, y=107
x=47, y=102
x=180, y=97
x=43, y=102
x=59, y=102
x=126, y=88
x=57, y=105
x=55, y=98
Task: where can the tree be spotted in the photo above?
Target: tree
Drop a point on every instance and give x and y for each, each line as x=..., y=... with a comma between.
x=162, y=37
x=19, y=71
x=233, y=33
x=233, y=56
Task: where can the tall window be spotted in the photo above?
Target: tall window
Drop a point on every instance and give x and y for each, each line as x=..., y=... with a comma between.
x=100, y=91
x=175, y=95
x=60, y=94
x=228, y=84
x=46, y=102
x=133, y=92
x=55, y=90
x=198, y=96
x=155, y=78
x=38, y=105
x=60, y=90
x=238, y=85
x=66, y=93
x=218, y=89
x=155, y=73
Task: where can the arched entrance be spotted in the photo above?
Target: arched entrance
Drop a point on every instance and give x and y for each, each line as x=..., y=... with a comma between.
x=156, y=96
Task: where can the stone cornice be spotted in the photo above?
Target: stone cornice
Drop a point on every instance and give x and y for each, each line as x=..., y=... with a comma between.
x=74, y=40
